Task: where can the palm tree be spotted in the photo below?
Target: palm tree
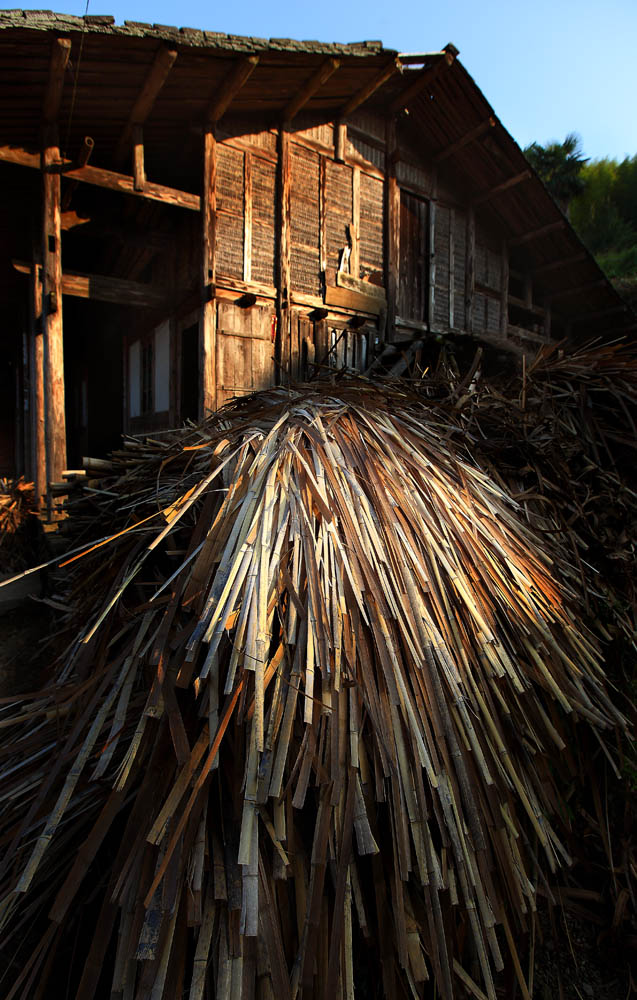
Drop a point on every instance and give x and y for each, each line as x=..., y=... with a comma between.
x=559, y=165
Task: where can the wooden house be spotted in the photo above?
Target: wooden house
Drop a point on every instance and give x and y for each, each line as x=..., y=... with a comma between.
x=187, y=216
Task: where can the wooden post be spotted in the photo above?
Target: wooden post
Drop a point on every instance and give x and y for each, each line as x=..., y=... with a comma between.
x=470, y=273
x=36, y=395
x=354, y=263
x=139, y=174
x=504, y=292
x=393, y=223
x=247, y=215
x=452, y=266
x=340, y=141
x=208, y=319
x=283, y=293
x=431, y=254
x=55, y=425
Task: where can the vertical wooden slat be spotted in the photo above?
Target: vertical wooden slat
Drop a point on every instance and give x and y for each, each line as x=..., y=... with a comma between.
x=470, y=269
x=431, y=253
x=55, y=419
x=504, y=291
x=322, y=216
x=452, y=266
x=392, y=216
x=208, y=319
x=354, y=267
x=247, y=216
x=283, y=229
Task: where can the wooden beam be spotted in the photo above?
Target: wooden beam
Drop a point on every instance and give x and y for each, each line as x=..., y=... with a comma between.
x=102, y=288
x=155, y=79
x=139, y=174
x=600, y=314
x=370, y=88
x=55, y=418
x=465, y=140
x=60, y=52
x=578, y=289
x=310, y=88
x=241, y=73
x=536, y=234
x=208, y=315
x=562, y=262
x=424, y=78
x=500, y=188
x=104, y=178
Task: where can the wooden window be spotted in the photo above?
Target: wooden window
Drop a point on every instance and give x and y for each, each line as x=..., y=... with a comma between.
x=338, y=210
x=263, y=236
x=412, y=258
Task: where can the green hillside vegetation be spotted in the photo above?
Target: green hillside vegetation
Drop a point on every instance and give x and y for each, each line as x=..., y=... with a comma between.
x=600, y=199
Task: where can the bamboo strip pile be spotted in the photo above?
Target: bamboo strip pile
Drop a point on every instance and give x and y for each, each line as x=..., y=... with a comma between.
x=306, y=732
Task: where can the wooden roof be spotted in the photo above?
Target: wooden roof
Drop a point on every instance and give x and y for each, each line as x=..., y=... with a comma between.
x=172, y=79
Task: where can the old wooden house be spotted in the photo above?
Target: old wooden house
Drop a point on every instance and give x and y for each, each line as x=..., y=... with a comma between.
x=187, y=216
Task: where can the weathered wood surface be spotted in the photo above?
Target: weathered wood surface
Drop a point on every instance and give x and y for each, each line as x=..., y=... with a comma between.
x=155, y=79
x=208, y=319
x=103, y=288
x=54, y=392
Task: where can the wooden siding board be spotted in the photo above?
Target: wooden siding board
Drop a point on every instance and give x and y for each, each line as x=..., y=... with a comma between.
x=371, y=226
x=338, y=209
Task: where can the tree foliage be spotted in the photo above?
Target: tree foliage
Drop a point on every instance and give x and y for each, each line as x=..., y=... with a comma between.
x=559, y=165
x=600, y=198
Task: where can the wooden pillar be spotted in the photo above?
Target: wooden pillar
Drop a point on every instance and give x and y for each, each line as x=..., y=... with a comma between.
x=354, y=261
x=36, y=383
x=392, y=215
x=504, y=292
x=53, y=353
x=283, y=227
x=470, y=273
x=208, y=318
x=431, y=254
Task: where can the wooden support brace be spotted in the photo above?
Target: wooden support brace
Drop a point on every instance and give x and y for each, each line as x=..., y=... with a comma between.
x=500, y=188
x=84, y=155
x=370, y=88
x=36, y=380
x=465, y=140
x=144, y=103
x=103, y=178
x=102, y=288
x=243, y=70
x=310, y=88
x=340, y=141
x=139, y=174
x=536, y=234
x=555, y=265
x=578, y=289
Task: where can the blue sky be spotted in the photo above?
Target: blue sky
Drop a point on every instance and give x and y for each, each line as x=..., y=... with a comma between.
x=548, y=67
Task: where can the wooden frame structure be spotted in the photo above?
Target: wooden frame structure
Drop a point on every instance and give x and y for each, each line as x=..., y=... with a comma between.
x=280, y=213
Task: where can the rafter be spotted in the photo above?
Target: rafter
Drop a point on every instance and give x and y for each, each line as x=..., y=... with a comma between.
x=310, y=88
x=151, y=87
x=241, y=73
x=501, y=188
x=465, y=140
x=535, y=234
x=370, y=88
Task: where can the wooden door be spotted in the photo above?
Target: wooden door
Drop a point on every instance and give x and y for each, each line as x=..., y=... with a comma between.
x=412, y=260
x=245, y=350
